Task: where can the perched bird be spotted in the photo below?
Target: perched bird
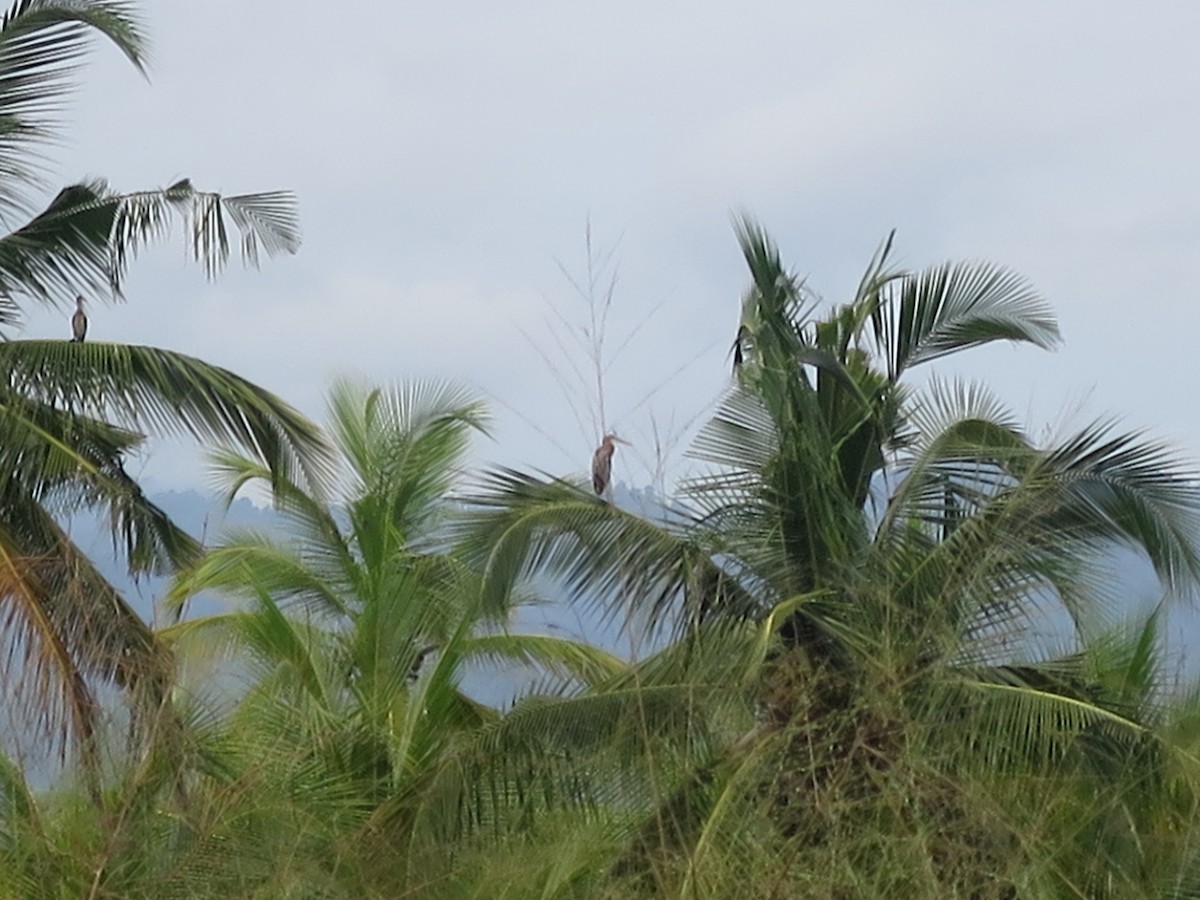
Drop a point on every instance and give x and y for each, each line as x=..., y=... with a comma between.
x=602, y=463
x=739, y=353
x=78, y=322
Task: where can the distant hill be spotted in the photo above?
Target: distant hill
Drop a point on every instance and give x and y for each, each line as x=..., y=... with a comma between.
x=201, y=515
x=1133, y=588
x=1130, y=582
x=204, y=516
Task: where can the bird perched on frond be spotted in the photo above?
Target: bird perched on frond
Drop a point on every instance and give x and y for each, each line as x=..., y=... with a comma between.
x=79, y=322
x=739, y=347
x=602, y=463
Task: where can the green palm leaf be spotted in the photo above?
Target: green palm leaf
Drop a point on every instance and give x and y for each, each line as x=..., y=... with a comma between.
x=520, y=525
x=1122, y=488
x=41, y=42
x=63, y=250
x=147, y=389
x=67, y=627
x=572, y=659
x=248, y=565
x=954, y=306
x=267, y=222
x=86, y=238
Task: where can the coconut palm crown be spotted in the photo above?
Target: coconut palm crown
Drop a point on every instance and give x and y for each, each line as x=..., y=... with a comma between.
x=876, y=562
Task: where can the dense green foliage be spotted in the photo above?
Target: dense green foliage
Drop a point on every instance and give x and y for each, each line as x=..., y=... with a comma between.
x=850, y=699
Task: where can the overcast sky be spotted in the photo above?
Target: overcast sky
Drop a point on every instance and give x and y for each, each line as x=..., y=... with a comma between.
x=448, y=157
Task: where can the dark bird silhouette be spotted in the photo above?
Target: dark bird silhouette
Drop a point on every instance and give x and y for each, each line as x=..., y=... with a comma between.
x=738, y=352
x=78, y=322
x=602, y=463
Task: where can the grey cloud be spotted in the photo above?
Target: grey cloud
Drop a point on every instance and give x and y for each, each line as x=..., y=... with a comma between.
x=447, y=155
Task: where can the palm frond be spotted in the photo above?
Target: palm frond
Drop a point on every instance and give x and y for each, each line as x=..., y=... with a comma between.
x=144, y=388
x=964, y=449
x=591, y=721
x=951, y=307
x=70, y=462
x=1123, y=488
x=741, y=434
x=267, y=222
x=41, y=43
x=1018, y=717
x=572, y=659
x=418, y=428
x=250, y=563
x=287, y=645
x=774, y=309
x=66, y=706
x=315, y=532
x=86, y=238
x=64, y=250
x=149, y=540
x=730, y=810
x=652, y=572
x=942, y=405
x=69, y=628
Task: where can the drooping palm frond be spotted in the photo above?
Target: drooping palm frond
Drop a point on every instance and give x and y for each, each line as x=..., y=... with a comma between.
x=1093, y=491
x=43, y=448
x=316, y=531
x=108, y=639
x=65, y=705
x=963, y=569
x=566, y=658
x=551, y=726
x=41, y=42
x=67, y=462
x=283, y=660
x=267, y=223
x=653, y=572
x=962, y=449
x=86, y=238
x=63, y=250
x=940, y=407
x=162, y=392
x=66, y=630
x=741, y=434
x=1125, y=489
x=147, y=537
x=1080, y=709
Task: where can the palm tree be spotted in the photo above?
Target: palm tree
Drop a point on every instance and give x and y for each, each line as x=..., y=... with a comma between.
x=70, y=414
x=870, y=561
x=358, y=625
x=83, y=241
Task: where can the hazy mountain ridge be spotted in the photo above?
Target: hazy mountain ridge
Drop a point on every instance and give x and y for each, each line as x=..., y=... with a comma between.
x=1129, y=578
x=204, y=516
